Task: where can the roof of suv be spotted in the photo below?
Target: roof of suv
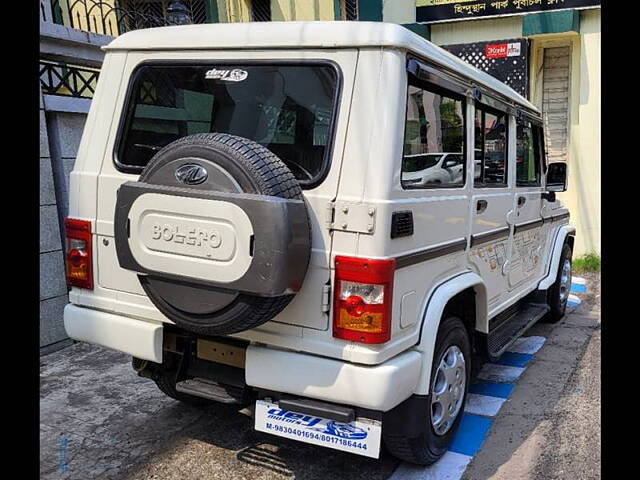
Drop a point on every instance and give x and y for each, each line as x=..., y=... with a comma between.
x=292, y=35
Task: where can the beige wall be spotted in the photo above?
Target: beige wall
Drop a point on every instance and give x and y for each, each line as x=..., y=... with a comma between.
x=230, y=11
x=584, y=195
x=306, y=10
x=399, y=11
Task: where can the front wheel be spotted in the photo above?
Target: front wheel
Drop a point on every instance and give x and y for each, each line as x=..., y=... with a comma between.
x=558, y=294
x=421, y=429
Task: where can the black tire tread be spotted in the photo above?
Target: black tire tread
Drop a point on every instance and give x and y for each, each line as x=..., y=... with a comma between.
x=273, y=178
x=415, y=449
x=553, y=296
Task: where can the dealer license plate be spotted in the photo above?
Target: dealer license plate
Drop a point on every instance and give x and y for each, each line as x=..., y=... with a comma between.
x=361, y=436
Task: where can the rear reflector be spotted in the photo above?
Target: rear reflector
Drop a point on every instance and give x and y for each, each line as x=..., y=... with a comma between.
x=362, y=299
x=78, y=255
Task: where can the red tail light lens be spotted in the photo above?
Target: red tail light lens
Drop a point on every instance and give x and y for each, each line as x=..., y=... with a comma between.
x=79, y=261
x=362, y=299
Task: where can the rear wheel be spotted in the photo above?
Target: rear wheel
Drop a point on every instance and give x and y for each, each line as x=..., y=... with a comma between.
x=558, y=294
x=437, y=414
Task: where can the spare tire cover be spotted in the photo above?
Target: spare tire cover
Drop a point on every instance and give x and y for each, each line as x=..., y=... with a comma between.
x=222, y=163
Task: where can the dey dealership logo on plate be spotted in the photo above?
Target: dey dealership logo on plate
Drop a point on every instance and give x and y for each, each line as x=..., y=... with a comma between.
x=502, y=50
x=360, y=436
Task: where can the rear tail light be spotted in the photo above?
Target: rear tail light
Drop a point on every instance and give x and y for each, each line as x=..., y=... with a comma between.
x=362, y=299
x=78, y=257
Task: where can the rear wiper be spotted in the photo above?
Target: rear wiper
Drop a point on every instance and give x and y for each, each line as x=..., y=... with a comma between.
x=155, y=148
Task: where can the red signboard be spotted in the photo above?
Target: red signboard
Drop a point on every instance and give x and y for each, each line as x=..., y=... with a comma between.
x=495, y=50
x=502, y=50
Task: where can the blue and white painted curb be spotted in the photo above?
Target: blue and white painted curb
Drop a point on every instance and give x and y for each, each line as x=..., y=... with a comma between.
x=578, y=286
x=493, y=386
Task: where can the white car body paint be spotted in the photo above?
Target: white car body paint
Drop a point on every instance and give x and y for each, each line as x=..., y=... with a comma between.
x=435, y=174
x=365, y=169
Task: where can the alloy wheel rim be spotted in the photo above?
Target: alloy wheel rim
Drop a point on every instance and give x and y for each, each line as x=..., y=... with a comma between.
x=447, y=392
x=565, y=281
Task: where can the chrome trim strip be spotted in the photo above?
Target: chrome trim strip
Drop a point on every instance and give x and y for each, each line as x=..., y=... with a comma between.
x=521, y=227
x=480, y=238
x=430, y=253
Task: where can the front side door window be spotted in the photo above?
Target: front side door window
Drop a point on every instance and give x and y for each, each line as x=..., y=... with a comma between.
x=528, y=155
x=490, y=148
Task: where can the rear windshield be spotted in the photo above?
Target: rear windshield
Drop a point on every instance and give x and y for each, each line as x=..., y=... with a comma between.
x=287, y=108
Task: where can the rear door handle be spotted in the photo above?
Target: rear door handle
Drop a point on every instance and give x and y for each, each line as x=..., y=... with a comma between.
x=521, y=201
x=481, y=206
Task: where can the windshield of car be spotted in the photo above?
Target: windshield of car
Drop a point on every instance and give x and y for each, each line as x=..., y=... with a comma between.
x=287, y=108
x=415, y=163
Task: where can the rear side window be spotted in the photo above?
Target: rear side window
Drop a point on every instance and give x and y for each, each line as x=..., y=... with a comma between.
x=434, y=140
x=490, y=149
x=528, y=154
x=289, y=109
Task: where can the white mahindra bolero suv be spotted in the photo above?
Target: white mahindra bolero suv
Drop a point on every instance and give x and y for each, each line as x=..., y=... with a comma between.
x=244, y=223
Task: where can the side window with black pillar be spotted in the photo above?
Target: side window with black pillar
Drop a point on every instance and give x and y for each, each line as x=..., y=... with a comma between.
x=528, y=154
x=490, y=148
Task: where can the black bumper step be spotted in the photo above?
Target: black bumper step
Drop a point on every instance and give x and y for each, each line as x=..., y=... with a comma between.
x=318, y=409
x=201, y=387
x=510, y=330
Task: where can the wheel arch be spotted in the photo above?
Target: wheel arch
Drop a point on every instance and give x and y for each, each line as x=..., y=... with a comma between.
x=446, y=297
x=566, y=233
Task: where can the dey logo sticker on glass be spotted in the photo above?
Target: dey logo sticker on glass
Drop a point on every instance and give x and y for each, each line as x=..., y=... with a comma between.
x=235, y=75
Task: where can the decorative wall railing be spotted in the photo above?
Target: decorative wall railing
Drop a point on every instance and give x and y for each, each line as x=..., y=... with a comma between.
x=261, y=10
x=114, y=17
x=67, y=80
x=349, y=10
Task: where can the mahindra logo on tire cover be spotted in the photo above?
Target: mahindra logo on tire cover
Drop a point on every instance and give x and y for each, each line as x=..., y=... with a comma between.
x=191, y=174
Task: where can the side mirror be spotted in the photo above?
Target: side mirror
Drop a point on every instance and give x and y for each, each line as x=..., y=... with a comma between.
x=557, y=177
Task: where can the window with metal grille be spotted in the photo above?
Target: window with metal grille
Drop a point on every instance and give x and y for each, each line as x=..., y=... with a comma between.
x=157, y=9
x=261, y=10
x=349, y=10
x=109, y=18
x=556, y=81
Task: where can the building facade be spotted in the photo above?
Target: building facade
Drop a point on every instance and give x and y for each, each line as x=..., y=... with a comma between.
x=548, y=50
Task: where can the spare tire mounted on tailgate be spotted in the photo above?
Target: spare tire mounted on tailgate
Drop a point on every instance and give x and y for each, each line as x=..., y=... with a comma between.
x=218, y=231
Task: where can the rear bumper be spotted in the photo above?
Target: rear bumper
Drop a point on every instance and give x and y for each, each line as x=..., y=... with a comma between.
x=138, y=338
x=376, y=387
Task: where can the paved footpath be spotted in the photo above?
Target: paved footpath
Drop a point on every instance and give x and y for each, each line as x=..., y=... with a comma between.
x=534, y=415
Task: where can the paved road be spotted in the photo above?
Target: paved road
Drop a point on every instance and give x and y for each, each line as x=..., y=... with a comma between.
x=99, y=420
x=550, y=426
